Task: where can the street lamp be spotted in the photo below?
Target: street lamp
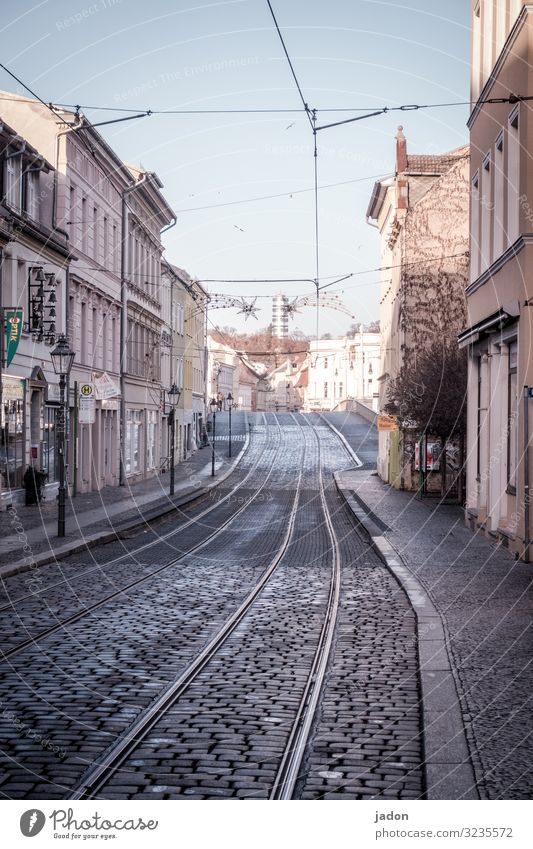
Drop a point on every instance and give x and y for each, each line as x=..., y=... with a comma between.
x=231, y=406
x=174, y=395
x=213, y=406
x=62, y=358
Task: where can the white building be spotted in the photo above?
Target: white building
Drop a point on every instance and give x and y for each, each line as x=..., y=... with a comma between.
x=343, y=369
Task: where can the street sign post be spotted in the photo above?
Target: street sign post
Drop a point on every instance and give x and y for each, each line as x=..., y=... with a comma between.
x=87, y=405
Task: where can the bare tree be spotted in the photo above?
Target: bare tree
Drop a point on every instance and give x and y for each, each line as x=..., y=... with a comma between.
x=430, y=394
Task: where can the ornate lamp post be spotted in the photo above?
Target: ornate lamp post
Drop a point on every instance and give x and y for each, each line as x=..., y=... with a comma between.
x=213, y=407
x=174, y=396
x=62, y=358
x=231, y=406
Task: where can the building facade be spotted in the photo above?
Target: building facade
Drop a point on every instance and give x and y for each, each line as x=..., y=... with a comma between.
x=123, y=320
x=343, y=369
x=498, y=334
x=34, y=263
x=188, y=310
x=421, y=214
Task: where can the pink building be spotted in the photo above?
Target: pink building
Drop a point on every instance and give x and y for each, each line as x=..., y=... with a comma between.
x=113, y=215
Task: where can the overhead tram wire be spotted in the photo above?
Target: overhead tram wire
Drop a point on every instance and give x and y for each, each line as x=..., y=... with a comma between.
x=380, y=110
x=281, y=194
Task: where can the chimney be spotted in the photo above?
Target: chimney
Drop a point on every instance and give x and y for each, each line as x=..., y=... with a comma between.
x=401, y=151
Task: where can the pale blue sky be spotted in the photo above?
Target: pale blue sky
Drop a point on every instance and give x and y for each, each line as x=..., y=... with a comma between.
x=185, y=54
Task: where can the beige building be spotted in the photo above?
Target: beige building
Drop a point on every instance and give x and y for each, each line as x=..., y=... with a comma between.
x=187, y=353
x=421, y=214
x=500, y=291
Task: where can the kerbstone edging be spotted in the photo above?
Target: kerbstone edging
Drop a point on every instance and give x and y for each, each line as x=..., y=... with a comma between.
x=115, y=534
x=447, y=764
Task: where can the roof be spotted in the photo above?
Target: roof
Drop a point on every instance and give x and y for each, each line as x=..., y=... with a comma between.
x=303, y=380
x=379, y=191
x=28, y=149
x=422, y=163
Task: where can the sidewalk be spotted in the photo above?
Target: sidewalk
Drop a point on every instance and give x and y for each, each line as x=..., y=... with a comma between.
x=93, y=517
x=484, y=598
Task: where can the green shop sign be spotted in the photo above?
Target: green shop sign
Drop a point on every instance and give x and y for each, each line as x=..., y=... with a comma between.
x=13, y=325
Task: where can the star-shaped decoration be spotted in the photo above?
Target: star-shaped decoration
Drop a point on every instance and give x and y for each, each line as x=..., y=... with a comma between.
x=247, y=308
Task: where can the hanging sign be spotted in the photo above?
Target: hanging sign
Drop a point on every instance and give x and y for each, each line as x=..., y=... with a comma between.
x=105, y=386
x=13, y=320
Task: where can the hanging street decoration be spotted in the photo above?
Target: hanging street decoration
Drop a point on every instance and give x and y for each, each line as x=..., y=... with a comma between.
x=243, y=307
x=330, y=301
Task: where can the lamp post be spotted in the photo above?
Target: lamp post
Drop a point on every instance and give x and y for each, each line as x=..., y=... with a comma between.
x=174, y=395
x=230, y=405
x=62, y=358
x=213, y=406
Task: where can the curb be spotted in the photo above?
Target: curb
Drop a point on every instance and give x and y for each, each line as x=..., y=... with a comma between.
x=118, y=532
x=344, y=441
x=449, y=774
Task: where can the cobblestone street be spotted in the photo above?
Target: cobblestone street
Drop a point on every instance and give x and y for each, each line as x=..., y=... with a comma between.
x=89, y=652
x=257, y=646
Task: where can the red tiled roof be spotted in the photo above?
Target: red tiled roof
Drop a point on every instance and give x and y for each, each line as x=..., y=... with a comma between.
x=439, y=164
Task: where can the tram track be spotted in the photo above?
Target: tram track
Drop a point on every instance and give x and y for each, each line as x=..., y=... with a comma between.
x=88, y=609
x=288, y=772
x=102, y=672
x=227, y=678
x=132, y=553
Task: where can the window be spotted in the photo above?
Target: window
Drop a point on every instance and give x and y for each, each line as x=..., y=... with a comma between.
x=103, y=342
x=486, y=214
x=115, y=257
x=488, y=44
x=83, y=332
x=151, y=439
x=105, y=259
x=474, y=228
x=325, y=362
x=112, y=349
x=95, y=233
x=512, y=417
x=132, y=460
x=476, y=50
x=12, y=434
x=96, y=340
x=498, y=221
x=84, y=225
x=513, y=177
x=32, y=194
x=13, y=185
x=325, y=390
x=341, y=387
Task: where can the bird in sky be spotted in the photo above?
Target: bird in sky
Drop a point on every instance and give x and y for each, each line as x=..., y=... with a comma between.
x=238, y=228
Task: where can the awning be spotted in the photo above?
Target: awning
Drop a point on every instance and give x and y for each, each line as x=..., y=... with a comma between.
x=505, y=315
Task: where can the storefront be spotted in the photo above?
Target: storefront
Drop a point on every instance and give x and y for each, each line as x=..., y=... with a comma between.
x=12, y=434
x=28, y=429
